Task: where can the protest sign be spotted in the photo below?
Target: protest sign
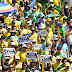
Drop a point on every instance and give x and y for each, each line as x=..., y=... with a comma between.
x=42, y=32
x=45, y=58
x=31, y=55
x=9, y=51
x=23, y=39
x=37, y=46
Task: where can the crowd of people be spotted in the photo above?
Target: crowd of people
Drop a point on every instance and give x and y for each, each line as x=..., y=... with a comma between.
x=30, y=18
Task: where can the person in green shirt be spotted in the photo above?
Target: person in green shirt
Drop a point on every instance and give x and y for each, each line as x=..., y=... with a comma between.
x=64, y=60
x=62, y=29
x=0, y=58
x=58, y=53
x=35, y=14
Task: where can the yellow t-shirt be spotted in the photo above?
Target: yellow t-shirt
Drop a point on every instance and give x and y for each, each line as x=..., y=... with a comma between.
x=22, y=56
x=56, y=65
x=22, y=9
x=56, y=2
x=7, y=34
x=65, y=71
x=55, y=12
x=2, y=45
x=22, y=71
x=64, y=24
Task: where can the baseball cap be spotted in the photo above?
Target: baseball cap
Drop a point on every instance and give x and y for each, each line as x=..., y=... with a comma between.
x=12, y=43
x=34, y=7
x=59, y=23
x=17, y=57
x=24, y=45
x=12, y=38
x=67, y=64
x=7, y=58
x=58, y=57
x=34, y=40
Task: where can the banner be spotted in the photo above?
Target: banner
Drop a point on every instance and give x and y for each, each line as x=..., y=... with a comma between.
x=23, y=39
x=37, y=46
x=45, y=58
x=31, y=55
x=42, y=32
x=9, y=51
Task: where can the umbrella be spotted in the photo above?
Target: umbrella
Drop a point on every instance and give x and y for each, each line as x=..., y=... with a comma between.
x=51, y=15
x=5, y=8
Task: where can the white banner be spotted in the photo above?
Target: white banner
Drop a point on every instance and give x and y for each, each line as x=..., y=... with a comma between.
x=23, y=39
x=37, y=46
x=45, y=58
x=31, y=55
x=9, y=51
x=42, y=32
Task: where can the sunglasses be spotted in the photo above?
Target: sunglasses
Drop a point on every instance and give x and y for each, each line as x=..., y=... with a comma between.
x=7, y=59
x=23, y=65
x=11, y=67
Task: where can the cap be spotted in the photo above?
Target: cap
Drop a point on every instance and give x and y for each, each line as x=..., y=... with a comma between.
x=41, y=14
x=70, y=58
x=63, y=40
x=55, y=38
x=30, y=24
x=58, y=57
x=67, y=64
x=7, y=58
x=51, y=0
x=42, y=38
x=12, y=38
x=33, y=28
x=56, y=18
x=9, y=27
x=26, y=17
x=59, y=23
x=12, y=43
x=33, y=60
x=35, y=7
x=17, y=57
x=24, y=45
x=34, y=40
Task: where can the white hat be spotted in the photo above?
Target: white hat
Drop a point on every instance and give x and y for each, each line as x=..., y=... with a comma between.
x=7, y=58
x=0, y=67
x=12, y=38
x=24, y=45
x=12, y=43
x=17, y=57
x=26, y=17
x=43, y=38
x=30, y=24
x=34, y=40
x=51, y=0
x=58, y=57
x=41, y=14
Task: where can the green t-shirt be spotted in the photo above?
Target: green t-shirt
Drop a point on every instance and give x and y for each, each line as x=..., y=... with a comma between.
x=0, y=58
x=35, y=16
x=62, y=29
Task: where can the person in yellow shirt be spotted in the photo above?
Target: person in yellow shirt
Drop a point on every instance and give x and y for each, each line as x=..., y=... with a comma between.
x=64, y=23
x=8, y=32
x=57, y=63
x=3, y=43
x=2, y=30
x=67, y=68
x=61, y=17
x=22, y=54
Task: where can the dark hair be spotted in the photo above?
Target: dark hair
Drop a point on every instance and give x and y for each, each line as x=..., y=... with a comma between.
x=23, y=64
x=21, y=3
x=59, y=48
x=64, y=59
x=16, y=46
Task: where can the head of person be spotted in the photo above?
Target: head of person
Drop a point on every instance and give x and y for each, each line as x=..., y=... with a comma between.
x=63, y=13
x=34, y=41
x=34, y=8
x=64, y=60
x=70, y=60
x=30, y=25
x=17, y=59
x=41, y=15
x=68, y=23
x=58, y=59
x=67, y=65
x=47, y=24
x=28, y=7
x=66, y=2
x=24, y=65
x=48, y=29
x=16, y=48
x=36, y=1
x=12, y=44
x=11, y=68
x=21, y=26
x=13, y=32
x=33, y=30
x=58, y=50
x=2, y=38
x=55, y=40
x=13, y=24
x=24, y=47
x=34, y=62
x=59, y=25
x=1, y=26
x=70, y=27
x=42, y=40
x=7, y=60
x=64, y=20
x=56, y=20
x=63, y=41
x=50, y=64
x=9, y=28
